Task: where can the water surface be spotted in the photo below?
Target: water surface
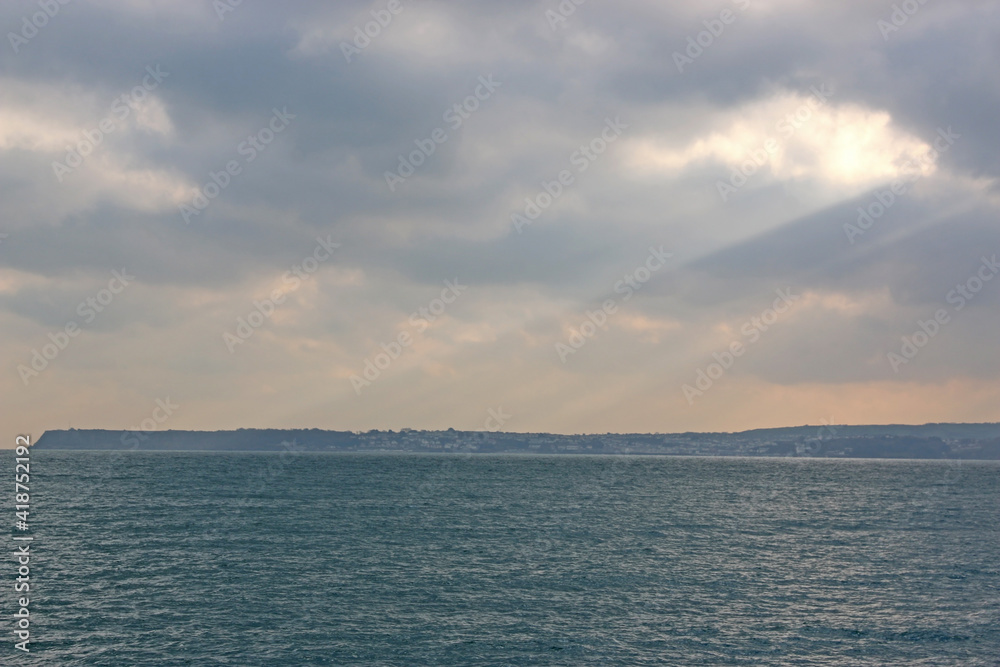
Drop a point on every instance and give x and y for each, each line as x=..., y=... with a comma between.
x=353, y=559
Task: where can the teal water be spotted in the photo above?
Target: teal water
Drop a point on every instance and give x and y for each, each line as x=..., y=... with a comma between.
x=352, y=559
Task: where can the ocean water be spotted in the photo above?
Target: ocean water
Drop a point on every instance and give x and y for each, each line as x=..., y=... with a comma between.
x=397, y=559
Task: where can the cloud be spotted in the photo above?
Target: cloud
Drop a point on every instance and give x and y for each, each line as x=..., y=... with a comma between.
x=834, y=156
x=837, y=146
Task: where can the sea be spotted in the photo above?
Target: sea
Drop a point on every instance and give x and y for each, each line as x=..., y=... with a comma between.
x=296, y=558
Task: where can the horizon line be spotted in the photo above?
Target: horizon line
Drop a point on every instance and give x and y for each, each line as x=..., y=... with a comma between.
x=445, y=430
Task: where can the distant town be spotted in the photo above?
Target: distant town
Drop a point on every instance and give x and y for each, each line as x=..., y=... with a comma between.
x=929, y=441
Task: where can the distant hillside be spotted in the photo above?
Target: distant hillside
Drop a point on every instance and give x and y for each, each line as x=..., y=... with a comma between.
x=930, y=441
x=986, y=431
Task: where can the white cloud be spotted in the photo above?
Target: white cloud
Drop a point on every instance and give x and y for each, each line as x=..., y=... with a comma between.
x=837, y=145
x=65, y=124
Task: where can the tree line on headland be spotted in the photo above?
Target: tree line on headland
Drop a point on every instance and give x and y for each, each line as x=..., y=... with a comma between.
x=929, y=441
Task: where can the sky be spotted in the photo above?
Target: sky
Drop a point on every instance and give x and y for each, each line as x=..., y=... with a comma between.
x=575, y=217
